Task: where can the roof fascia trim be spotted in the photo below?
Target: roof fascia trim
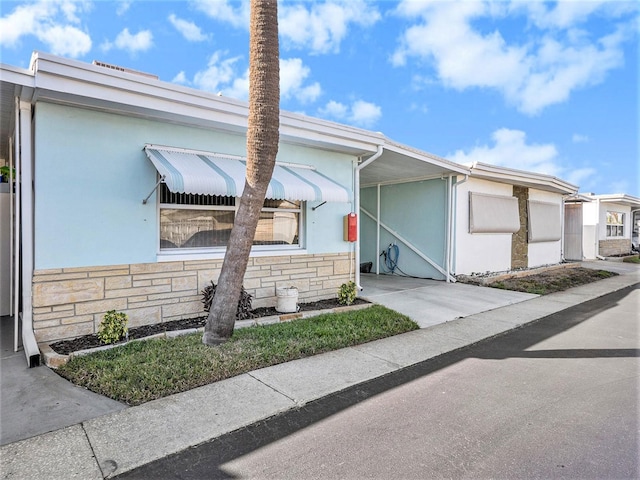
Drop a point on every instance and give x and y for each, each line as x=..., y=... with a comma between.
x=509, y=175
x=57, y=74
x=622, y=198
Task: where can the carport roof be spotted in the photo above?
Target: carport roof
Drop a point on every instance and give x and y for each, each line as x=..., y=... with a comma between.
x=400, y=163
x=14, y=82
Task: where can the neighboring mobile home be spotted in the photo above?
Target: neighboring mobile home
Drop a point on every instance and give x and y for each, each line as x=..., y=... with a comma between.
x=610, y=223
x=127, y=187
x=508, y=219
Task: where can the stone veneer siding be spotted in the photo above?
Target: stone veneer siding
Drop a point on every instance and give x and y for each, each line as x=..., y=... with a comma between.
x=70, y=302
x=519, y=245
x=616, y=246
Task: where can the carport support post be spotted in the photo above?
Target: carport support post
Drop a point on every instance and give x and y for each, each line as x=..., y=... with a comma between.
x=447, y=254
x=378, y=229
x=356, y=194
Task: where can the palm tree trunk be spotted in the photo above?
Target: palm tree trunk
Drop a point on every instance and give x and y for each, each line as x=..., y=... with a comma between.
x=262, y=148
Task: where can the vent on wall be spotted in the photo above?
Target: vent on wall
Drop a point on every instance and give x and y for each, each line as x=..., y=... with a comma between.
x=122, y=69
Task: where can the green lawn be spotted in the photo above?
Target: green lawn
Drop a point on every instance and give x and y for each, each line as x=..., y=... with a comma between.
x=141, y=371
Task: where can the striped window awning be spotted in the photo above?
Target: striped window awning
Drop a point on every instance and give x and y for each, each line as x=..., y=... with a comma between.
x=186, y=171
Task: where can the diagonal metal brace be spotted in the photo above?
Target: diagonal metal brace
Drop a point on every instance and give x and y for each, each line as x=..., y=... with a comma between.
x=144, y=202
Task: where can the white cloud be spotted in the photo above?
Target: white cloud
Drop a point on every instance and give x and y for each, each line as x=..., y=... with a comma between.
x=239, y=87
x=318, y=27
x=181, y=78
x=580, y=176
x=618, y=186
x=360, y=113
x=533, y=75
x=188, y=30
x=578, y=138
x=220, y=76
x=66, y=40
x=510, y=149
x=122, y=7
x=335, y=109
x=419, y=107
x=567, y=14
x=321, y=27
x=132, y=43
x=364, y=113
x=293, y=73
x=225, y=75
x=54, y=23
x=232, y=12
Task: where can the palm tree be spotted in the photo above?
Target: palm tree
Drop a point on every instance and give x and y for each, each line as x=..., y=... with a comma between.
x=262, y=148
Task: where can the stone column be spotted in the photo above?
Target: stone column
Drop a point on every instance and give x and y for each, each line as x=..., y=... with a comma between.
x=519, y=245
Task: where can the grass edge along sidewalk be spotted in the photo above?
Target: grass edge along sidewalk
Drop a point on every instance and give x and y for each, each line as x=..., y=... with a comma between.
x=138, y=372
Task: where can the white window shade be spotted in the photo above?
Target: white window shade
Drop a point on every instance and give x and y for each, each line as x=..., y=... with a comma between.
x=493, y=213
x=544, y=222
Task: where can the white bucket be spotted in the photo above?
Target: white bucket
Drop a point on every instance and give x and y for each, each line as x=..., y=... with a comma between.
x=287, y=299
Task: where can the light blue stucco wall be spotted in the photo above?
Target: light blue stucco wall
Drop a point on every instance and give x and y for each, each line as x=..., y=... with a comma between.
x=417, y=212
x=324, y=226
x=91, y=175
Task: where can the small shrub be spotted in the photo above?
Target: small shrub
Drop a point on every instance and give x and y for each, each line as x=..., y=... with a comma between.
x=244, y=311
x=113, y=327
x=347, y=293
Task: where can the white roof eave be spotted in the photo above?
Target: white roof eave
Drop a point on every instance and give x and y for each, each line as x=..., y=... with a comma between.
x=619, y=198
x=520, y=177
x=68, y=81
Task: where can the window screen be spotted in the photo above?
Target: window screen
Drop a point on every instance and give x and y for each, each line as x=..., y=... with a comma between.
x=205, y=221
x=493, y=213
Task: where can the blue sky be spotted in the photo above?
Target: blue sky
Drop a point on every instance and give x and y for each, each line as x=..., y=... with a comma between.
x=549, y=87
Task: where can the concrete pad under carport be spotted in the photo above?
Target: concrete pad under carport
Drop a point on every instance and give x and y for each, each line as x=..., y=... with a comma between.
x=431, y=302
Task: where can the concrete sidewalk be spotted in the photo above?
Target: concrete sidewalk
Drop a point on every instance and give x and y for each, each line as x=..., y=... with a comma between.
x=120, y=441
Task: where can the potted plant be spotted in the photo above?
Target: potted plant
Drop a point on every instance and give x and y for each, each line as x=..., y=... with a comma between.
x=7, y=174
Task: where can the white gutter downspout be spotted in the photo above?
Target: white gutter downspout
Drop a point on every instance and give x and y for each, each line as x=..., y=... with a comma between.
x=356, y=194
x=18, y=229
x=29, y=342
x=378, y=230
x=14, y=235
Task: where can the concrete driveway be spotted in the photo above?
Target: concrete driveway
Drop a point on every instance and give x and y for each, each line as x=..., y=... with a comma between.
x=430, y=302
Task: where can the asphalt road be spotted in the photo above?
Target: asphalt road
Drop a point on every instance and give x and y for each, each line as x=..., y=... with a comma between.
x=556, y=399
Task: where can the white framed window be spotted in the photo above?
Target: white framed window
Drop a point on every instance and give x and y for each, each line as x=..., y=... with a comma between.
x=193, y=221
x=615, y=224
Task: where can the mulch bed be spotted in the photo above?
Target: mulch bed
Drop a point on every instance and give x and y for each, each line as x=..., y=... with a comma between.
x=65, y=347
x=552, y=281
